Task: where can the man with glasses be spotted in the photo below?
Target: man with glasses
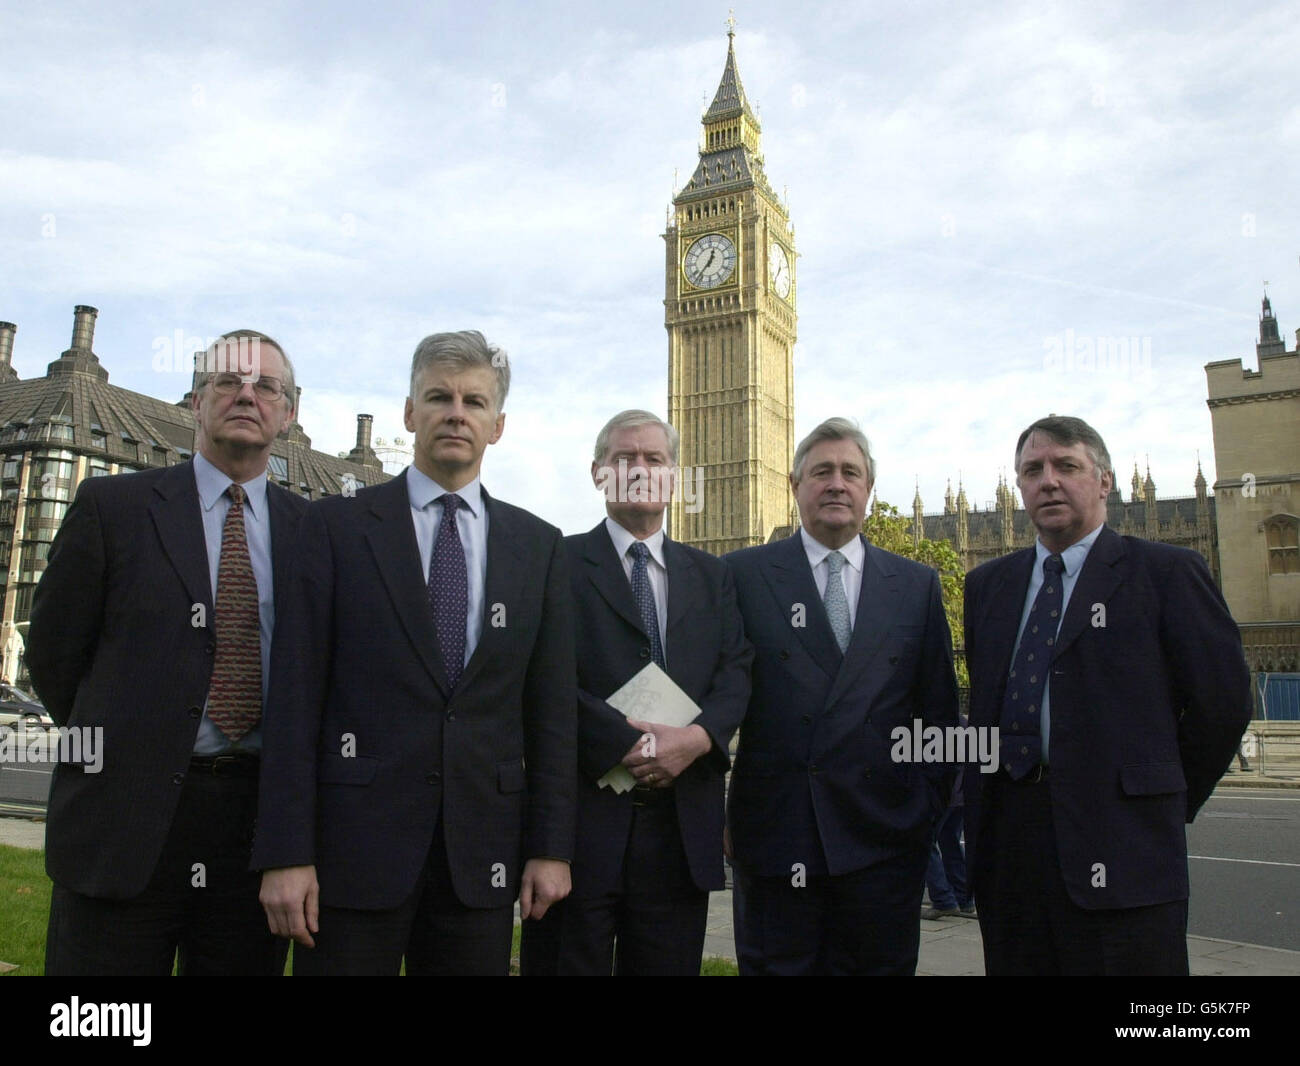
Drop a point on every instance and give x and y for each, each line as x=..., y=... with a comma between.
x=153, y=624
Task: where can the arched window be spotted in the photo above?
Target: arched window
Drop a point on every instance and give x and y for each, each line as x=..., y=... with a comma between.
x=1282, y=535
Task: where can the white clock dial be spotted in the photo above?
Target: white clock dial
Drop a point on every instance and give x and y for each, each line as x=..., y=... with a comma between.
x=779, y=268
x=709, y=261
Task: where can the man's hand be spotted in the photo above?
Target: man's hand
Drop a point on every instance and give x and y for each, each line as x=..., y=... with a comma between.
x=664, y=752
x=291, y=898
x=545, y=881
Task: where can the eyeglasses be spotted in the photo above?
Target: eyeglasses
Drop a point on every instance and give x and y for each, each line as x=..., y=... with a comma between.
x=265, y=388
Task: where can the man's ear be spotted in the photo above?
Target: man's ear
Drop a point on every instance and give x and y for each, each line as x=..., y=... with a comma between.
x=500, y=428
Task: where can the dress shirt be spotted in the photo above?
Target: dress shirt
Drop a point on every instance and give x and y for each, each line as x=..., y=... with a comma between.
x=471, y=524
x=854, y=558
x=1073, y=557
x=656, y=567
x=215, y=504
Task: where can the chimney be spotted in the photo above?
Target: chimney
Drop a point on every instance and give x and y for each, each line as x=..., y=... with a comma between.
x=83, y=328
x=364, y=422
x=7, y=331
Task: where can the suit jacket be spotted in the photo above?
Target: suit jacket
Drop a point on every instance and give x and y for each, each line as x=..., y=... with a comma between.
x=365, y=743
x=814, y=782
x=113, y=644
x=707, y=657
x=1150, y=694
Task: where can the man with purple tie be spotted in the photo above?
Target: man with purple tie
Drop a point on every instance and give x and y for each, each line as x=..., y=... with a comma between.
x=420, y=767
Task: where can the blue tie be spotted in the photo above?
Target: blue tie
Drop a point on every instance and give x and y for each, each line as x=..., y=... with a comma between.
x=645, y=602
x=449, y=590
x=1020, y=733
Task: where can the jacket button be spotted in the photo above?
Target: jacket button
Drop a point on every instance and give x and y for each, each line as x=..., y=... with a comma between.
x=177, y=778
x=645, y=651
x=784, y=655
x=893, y=660
x=451, y=716
x=807, y=718
x=433, y=778
x=196, y=712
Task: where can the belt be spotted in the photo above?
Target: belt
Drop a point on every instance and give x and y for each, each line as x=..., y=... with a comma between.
x=645, y=796
x=233, y=764
x=1038, y=776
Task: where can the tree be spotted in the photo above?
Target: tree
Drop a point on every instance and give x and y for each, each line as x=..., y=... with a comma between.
x=886, y=528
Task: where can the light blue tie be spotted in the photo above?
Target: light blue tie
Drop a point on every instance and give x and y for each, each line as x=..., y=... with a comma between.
x=837, y=604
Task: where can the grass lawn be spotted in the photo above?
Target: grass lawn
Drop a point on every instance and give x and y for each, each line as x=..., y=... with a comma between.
x=25, y=906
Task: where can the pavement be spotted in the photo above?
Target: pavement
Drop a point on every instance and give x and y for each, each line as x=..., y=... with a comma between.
x=950, y=946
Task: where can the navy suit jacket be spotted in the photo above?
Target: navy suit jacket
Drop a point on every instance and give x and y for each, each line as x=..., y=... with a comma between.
x=1150, y=694
x=113, y=644
x=364, y=741
x=707, y=657
x=814, y=782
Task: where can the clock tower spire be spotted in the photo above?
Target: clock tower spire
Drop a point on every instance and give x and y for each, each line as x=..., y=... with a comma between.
x=729, y=310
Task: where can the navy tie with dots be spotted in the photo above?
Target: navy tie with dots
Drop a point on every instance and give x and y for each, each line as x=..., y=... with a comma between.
x=449, y=590
x=645, y=602
x=1021, y=739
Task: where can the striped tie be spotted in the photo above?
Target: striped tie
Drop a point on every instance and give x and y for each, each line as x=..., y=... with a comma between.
x=235, y=694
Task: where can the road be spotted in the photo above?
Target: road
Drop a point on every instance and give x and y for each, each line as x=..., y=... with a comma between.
x=1244, y=861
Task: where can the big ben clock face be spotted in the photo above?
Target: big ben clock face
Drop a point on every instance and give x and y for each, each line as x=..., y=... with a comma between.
x=709, y=261
x=779, y=269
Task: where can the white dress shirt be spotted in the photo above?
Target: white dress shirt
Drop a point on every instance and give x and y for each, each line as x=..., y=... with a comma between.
x=656, y=567
x=854, y=558
x=472, y=525
x=1073, y=557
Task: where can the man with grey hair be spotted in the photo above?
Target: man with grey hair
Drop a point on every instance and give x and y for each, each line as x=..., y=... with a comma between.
x=149, y=852
x=1116, y=679
x=647, y=858
x=829, y=836
x=419, y=770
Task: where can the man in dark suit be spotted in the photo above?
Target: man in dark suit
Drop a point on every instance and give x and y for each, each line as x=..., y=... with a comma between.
x=153, y=624
x=1115, y=676
x=830, y=837
x=647, y=858
x=420, y=731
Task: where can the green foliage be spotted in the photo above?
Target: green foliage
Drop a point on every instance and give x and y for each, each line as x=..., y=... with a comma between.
x=886, y=528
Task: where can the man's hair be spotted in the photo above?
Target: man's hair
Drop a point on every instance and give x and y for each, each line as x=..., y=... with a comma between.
x=1066, y=430
x=630, y=420
x=204, y=364
x=834, y=429
x=465, y=350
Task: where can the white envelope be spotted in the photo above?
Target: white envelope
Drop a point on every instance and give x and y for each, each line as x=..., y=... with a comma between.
x=650, y=696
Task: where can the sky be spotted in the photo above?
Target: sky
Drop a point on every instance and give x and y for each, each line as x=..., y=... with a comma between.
x=981, y=195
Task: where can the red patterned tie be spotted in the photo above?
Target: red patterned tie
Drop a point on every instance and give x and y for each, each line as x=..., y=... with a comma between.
x=235, y=695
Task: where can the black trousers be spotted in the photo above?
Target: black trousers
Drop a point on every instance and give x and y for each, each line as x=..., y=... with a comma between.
x=1031, y=926
x=652, y=925
x=199, y=910
x=437, y=934
x=864, y=923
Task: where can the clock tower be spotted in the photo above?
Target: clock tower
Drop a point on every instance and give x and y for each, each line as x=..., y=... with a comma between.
x=729, y=309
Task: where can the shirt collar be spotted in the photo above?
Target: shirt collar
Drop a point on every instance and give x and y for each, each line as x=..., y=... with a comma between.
x=623, y=540
x=1073, y=556
x=212, y=485
x=853, y=552
x=422, y=490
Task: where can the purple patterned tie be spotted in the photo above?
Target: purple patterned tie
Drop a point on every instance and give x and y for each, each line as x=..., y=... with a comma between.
x=235, y=692
x=449, y=590
x=645, y=601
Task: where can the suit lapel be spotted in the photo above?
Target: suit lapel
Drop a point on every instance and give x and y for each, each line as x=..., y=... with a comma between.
x=791, y=580
x=504, y=578
x=683, y=594
x=391, y=536
x=284, y=524
x=1005, y=602
x=177, y=516
x=1102, y=573
x=877, y=610
x=605, y=571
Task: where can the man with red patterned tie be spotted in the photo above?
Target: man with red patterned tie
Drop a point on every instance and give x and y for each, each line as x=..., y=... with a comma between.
x=152, y=624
